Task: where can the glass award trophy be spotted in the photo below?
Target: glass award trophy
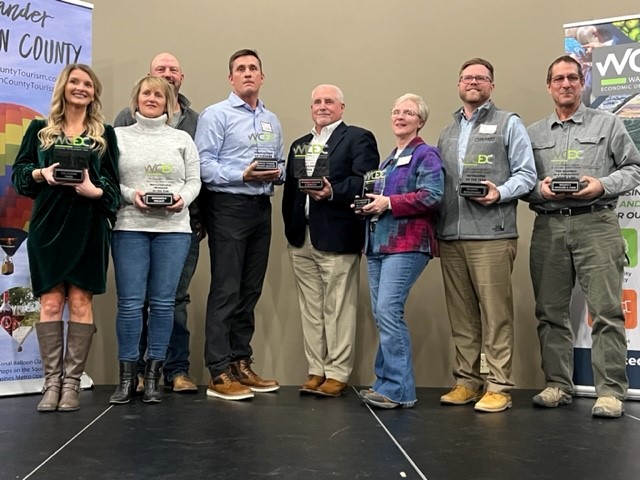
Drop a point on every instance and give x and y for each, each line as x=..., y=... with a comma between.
x=565, y=180
x=73, y=160
x=473, y=174
x=319, y=170
x=265, y=159
x=374, y=184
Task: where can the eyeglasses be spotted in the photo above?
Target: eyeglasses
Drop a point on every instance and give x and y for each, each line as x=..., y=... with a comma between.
x=559, y=79
x=480, y=79
x=405, y=113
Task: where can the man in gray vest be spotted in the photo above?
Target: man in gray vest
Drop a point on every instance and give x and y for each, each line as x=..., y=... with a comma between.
x=585, y=159
x=176, y=367
x=488, y=166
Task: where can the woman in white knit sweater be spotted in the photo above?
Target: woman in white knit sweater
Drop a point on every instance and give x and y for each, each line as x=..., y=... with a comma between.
x=152, y=233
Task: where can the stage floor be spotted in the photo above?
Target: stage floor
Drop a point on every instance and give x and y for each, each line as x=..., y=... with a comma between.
x=287, y=436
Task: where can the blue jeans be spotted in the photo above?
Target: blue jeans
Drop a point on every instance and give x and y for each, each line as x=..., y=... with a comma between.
x=147, y=266
x=390, y=280
x=177, y=362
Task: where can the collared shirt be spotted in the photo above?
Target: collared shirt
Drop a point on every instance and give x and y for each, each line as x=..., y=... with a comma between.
x=319, y=139
x=592, y=143
x=518, y=146
x=311, y=157
x=229, y=136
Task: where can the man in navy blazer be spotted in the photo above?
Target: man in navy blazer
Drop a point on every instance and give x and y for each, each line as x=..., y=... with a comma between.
x=325, y=170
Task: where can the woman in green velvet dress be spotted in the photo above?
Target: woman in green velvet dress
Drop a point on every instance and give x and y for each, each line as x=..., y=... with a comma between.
x=70, y=226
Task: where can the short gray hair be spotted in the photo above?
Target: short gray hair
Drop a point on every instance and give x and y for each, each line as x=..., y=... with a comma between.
x=325, y=85
x=423, y=108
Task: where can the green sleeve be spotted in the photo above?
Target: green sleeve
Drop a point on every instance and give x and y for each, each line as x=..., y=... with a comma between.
x=108, y=177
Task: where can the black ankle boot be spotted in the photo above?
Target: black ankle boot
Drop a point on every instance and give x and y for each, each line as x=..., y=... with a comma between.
x=126, y=388
x=152, y=374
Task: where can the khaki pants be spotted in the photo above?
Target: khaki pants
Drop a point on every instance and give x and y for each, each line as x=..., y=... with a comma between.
x=328, y=296
x=477, y=283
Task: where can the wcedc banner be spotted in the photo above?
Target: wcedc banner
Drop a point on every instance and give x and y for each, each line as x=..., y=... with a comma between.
x=609, y=52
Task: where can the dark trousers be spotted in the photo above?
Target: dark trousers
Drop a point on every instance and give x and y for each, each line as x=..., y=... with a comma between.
x=239, y=231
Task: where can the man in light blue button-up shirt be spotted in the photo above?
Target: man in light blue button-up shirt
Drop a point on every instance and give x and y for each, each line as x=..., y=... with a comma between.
x=241, y=159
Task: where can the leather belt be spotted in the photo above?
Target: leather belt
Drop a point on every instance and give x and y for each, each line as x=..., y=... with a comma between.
x=572, y=211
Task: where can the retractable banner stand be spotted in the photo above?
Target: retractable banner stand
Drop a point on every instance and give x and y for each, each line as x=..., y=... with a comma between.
x=609, y=51
x=37, y=39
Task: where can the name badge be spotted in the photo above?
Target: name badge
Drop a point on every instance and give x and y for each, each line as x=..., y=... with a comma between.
x=484, y=128
x=266, y=127
x=404, y=160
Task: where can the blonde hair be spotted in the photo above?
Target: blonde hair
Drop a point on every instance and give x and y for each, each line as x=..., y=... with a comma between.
x=154, y=82
x=93, y=120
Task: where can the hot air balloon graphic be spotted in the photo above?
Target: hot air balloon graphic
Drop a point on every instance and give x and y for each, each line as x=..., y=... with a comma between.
x=18, y=314
x=15, y=210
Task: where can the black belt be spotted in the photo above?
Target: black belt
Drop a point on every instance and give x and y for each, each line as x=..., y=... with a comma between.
x=572, y=211
x=242, y=196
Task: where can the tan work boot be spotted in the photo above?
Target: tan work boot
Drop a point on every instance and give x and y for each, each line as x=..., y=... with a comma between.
x=493, y=402
x=460, y=395
x=608, y=407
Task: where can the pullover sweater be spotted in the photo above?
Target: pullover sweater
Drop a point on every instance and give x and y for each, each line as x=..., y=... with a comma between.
x=156, y=158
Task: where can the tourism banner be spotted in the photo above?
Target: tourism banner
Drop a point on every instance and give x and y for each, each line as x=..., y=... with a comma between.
x=609, y=52
x=37, y=39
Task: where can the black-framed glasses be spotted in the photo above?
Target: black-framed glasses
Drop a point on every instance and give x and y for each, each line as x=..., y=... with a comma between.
x=573, y=78
x=479, y=79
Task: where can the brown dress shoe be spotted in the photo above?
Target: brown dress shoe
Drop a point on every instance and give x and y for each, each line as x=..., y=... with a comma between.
x=312, y=384
x=331, y=388
x=241, y=369
x=183, y=384
x=226, y=386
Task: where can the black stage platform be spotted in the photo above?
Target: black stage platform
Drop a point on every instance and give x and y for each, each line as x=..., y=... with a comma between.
x=285, y=436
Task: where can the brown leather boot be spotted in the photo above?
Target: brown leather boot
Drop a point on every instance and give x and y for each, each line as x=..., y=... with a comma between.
x=79, y=337
x=246, y=376
x=331, y=388
x=227, y=387
x=51, y=342
x=312, y=383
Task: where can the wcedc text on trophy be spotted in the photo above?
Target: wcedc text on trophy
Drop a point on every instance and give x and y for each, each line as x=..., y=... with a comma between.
x=475, y=171
x=72, y=160
x=311, y=165
x=374, y=184
x=160, y=194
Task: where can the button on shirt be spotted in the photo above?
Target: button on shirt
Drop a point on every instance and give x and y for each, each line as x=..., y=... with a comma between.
x=229, y=136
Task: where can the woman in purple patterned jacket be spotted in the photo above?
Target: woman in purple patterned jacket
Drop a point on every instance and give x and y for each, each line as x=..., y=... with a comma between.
x=400, y=243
